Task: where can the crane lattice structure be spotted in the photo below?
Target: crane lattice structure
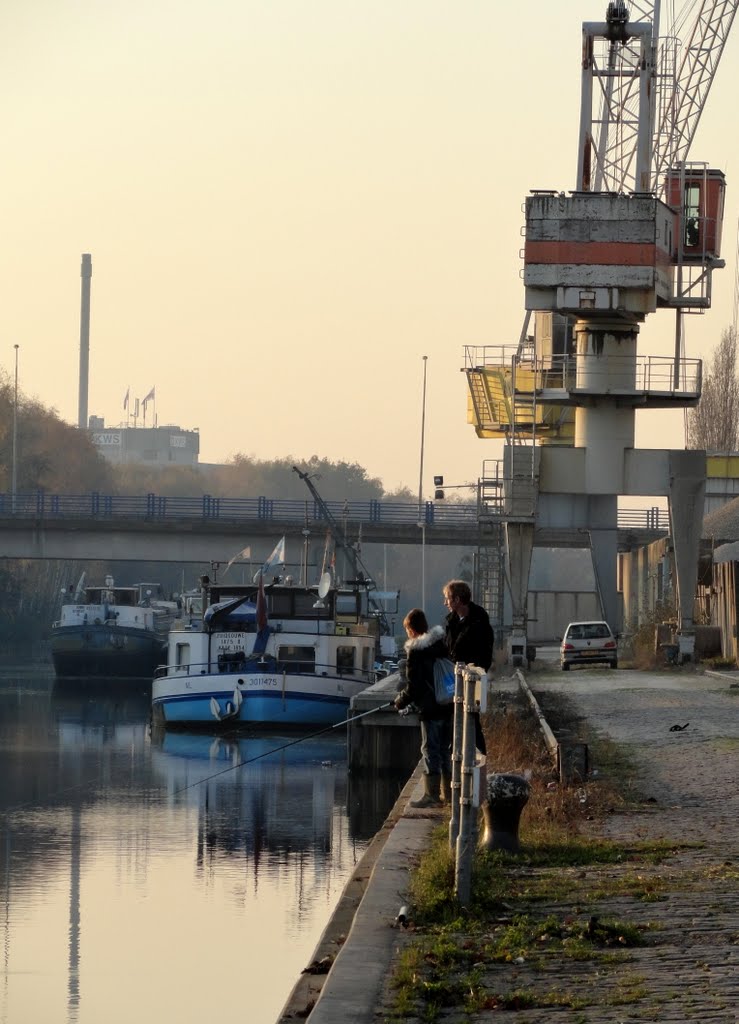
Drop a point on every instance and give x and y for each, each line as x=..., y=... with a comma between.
x=682, y=64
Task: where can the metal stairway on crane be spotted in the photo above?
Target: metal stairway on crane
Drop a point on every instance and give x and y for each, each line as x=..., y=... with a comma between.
x=489, y=575
x=504, y=387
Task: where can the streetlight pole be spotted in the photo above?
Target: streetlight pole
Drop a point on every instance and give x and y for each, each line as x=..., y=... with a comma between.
x=421, y=516
x=14, y=479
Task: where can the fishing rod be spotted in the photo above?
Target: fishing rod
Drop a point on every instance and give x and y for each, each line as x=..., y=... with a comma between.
x=276, y=750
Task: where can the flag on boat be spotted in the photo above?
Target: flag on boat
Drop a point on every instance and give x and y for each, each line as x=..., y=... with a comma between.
x=260, y=641
x=125, y=400
x=149, y=398
x=244, y=553
x=261, y=607
x=276, y=558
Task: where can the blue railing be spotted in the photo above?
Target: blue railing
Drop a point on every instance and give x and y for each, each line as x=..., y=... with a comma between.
x=44, y=506
x=41, y=505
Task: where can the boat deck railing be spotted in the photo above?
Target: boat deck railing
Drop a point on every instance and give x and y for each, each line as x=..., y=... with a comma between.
x=235, y=666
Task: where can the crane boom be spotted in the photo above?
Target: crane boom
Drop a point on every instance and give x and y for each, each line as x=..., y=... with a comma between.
x=358, y=568
x=681, y=64
x=700, y=58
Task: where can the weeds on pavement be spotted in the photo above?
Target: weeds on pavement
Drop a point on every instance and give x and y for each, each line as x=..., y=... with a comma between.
x=448, y=959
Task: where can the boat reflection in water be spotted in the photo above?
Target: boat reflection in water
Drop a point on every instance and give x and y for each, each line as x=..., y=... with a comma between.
x=292, y=793
x=254, y=794
x=134, y=861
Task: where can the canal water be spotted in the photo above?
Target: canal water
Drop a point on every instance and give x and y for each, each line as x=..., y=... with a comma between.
x=154, y=876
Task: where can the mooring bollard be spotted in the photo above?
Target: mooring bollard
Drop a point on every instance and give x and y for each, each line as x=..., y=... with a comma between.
x=507, y=796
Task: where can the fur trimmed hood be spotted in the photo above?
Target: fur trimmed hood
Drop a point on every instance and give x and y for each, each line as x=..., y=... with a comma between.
x=417, y=643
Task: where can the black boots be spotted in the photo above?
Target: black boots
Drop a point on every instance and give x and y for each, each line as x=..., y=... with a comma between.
x=430, y=796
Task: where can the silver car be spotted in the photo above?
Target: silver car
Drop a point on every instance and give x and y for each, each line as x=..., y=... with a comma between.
x=588, y=643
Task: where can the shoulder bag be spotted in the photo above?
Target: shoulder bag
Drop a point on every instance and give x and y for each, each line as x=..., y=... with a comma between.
x=444, y=680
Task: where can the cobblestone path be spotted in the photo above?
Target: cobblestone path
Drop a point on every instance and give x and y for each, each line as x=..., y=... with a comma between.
x=688, y=905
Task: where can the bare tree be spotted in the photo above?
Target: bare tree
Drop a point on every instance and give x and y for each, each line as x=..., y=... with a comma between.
x=714, y=423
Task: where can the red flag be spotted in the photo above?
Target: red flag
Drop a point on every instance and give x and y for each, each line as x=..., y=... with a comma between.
x=261, y=606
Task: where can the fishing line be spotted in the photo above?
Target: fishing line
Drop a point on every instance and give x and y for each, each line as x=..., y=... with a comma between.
x=284, y=746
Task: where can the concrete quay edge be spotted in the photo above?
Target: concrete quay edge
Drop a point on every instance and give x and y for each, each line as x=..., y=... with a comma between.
x=363, y=926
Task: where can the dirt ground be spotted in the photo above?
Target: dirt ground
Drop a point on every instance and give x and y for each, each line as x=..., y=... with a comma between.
x=680, y=732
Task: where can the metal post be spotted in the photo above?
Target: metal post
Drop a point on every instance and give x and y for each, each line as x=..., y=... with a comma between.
x=423, y=565
x=421, y=516
x=457, y=735
x=304, y=566
x=467, y=811
x=14, y=481
x=86, y=275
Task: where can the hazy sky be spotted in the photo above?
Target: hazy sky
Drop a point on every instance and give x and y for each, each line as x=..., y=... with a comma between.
x=288, y=204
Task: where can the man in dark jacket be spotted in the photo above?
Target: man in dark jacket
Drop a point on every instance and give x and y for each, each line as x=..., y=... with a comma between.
x=469, y=636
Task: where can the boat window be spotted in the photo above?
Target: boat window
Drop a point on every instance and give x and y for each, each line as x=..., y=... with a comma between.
x=296, y=658
x=305, y=607
x=231, y=661
x=345, y=659
x=280, y=605
x=347, y=606
x=182, y=654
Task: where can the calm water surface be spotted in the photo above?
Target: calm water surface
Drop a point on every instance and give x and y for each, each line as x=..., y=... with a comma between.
x=157, y=877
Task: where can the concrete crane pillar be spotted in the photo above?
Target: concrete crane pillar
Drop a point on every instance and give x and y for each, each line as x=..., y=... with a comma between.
x=606, y=365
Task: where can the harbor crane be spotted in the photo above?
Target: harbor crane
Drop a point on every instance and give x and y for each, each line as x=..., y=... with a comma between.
x=640, y=232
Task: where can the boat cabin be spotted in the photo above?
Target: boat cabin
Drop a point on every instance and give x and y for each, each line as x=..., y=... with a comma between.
x=311, y=631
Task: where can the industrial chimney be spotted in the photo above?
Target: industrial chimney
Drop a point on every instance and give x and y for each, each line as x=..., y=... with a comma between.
x=86, y=275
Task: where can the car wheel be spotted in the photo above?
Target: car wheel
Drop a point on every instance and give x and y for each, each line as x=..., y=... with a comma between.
x=565, y=666
x=614, y=664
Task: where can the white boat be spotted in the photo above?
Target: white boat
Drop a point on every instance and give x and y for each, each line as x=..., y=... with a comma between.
x=111, y=632
x=276, y=655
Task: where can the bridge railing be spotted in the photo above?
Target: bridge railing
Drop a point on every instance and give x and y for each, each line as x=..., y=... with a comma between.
x=42, y=505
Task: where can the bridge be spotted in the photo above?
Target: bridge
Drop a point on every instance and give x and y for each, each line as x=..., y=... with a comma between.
x=157, y=528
